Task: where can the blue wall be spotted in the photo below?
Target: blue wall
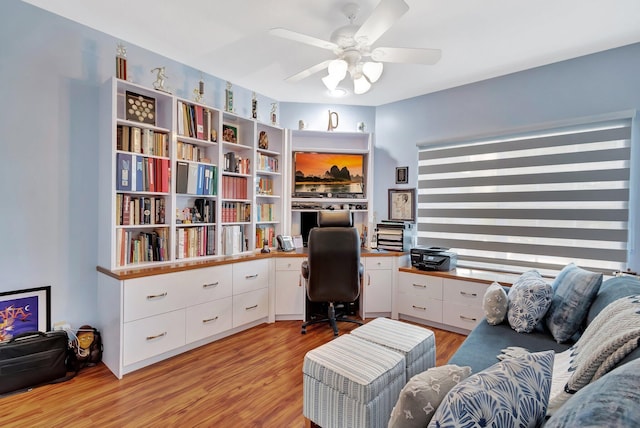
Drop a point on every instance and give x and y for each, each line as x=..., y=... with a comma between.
x=51, y=70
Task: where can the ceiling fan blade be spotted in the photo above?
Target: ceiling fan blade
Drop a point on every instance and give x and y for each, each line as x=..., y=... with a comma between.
x=407, y=55
x=381, y=19
x=308, y=72
x=302, y=38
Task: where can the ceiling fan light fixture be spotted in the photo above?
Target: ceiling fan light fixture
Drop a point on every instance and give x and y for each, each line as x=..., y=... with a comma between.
x=338, y=68
x=331, y=82
x=373, y=70
x=361, y=85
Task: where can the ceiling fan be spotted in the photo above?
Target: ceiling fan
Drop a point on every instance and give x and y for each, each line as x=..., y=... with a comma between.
x=353, y=47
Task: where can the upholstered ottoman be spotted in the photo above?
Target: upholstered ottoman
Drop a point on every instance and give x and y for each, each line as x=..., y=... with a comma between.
x=417, y=344
x=350, y=382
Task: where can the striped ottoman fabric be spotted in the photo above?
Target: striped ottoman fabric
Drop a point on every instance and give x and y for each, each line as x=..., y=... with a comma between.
x=417, y=344
x=350, y=382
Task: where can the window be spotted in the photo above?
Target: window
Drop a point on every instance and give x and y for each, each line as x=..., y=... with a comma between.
x=536, y=200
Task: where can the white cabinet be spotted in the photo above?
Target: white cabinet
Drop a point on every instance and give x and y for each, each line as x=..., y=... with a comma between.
x=250, y=291
x=420, y=296
x=148, y=337
x=377, y=286
x=289, y=289
x=462, y=303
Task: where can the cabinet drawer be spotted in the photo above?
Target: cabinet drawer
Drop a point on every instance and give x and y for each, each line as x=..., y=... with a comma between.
x=463, y=292
x=152, y=336
x=420, y=286
x=250, y=276
x=207, y=284
x=208, y=318
x=462, y=316
x=289, y=263
x=427, y=309
x=251, y=306
x=378, y=263
x=153, y=295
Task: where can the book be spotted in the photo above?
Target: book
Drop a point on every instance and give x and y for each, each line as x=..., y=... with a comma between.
x=123, y=171
x=192, y=181
x=182, y=176
x=136, y=140
x=199, y=119
x=200, y=183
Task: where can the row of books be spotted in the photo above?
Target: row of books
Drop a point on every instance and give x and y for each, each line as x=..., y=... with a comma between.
x=234, y=187
x=142, y=140
x=133, y=247
x=235, y=163
x=267, y=163
x=191, y=152
x=233, y=240
x=134, y=210
x=197, y=241
x=195, y=121
x=235, y=212
x=267, y=233
x=265, y=212
x=196, y=179
x=142, y=174
x=264, y=186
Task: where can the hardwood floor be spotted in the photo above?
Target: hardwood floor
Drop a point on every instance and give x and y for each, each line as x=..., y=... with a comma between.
x=251, y=379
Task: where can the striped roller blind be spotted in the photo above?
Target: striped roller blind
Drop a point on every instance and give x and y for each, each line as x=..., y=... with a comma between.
x=539, y=200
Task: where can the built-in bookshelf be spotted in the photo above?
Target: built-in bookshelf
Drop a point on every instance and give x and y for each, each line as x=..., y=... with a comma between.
x=180, y=180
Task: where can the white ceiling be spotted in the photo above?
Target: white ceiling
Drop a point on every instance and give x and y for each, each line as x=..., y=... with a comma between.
x=479, y=39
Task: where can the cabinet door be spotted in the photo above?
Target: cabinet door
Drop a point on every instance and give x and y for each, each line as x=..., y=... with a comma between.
x=153, y=295
x=208, y=318
x=420, y=296
x=148, y=337
x=250, y=276
x=207, y=284
x=377, y=291
x=251, y=306
x=290, y=291
x=462, y=304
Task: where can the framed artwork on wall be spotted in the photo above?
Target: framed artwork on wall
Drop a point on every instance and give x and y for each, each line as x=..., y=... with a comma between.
x=402, y=205
x=24, y=311
x=402, y=175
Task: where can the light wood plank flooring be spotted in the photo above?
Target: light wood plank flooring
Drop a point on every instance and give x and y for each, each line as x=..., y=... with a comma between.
x=251, y=379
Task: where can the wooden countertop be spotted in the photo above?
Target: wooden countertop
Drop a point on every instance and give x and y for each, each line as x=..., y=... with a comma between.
x=466, y=274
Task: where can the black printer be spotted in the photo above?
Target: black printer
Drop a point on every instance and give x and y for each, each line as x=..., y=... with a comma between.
x=433, y=258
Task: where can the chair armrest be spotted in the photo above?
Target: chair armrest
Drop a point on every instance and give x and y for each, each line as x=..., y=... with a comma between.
x=305, y=269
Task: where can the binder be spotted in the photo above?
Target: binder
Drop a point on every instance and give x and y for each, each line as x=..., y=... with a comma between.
x=123, y=171
x=182, y=175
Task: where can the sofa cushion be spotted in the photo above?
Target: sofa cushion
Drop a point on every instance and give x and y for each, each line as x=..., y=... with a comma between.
x=611, y=401
x=422, y=395
x=495, y=304
x=529, y=300
x=611, y=290
x=574, y=289
x=513, y=392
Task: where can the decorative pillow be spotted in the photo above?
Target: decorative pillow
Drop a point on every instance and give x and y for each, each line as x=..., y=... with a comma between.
x=511, y=393
x=495, y=304
x=422, y=395
x=529, y=300
x=574, y=291
x=611, y=401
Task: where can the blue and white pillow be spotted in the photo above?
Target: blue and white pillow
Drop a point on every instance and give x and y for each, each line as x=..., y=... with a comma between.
x=529, y=299
x=511, y=393
x=574, y=289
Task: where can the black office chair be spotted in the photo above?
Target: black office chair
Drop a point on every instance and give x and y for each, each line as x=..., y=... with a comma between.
x=333, y=271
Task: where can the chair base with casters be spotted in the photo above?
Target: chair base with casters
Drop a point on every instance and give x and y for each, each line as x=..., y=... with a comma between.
x=331, y=318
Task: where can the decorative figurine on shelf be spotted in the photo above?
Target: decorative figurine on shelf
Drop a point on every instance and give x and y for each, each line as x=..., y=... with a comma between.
x=265, y=246
x=198, y=93
x=263, y=141
x=121, y=62
x=161, y=77
x=254, y=106
x=228, y=98
x=333, y=121
x=274, y=117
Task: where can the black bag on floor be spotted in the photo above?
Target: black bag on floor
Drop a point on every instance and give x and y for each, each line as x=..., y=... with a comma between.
x=33, y=358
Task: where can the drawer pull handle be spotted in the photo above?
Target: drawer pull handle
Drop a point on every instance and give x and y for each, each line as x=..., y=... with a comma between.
x=213, y=284
x=420, y=285
x=464, y=293
x=157, y=296
x=419, y=307
x=209, y=320
x=250, y=307
x=255, y=275
x=462, y=317
x=164, y=333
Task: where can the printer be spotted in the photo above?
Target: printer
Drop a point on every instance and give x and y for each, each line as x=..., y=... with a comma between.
x=433, y=258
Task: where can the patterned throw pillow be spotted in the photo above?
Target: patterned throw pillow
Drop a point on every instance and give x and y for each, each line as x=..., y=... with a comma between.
x=511, y=393
x=574, y=291
x=611, y=401
x=529, y=299
x=495, y=304
x=422, y=395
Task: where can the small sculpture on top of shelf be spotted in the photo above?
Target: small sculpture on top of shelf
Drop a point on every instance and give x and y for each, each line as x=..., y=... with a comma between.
x=333, y=120
x=161, y=77
x=360, y=127
x=228, y=98
x=265, y=246
x=121, y=62
x=198, y=93
x=254, y=106
x=263, y=141
x=274, y=116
